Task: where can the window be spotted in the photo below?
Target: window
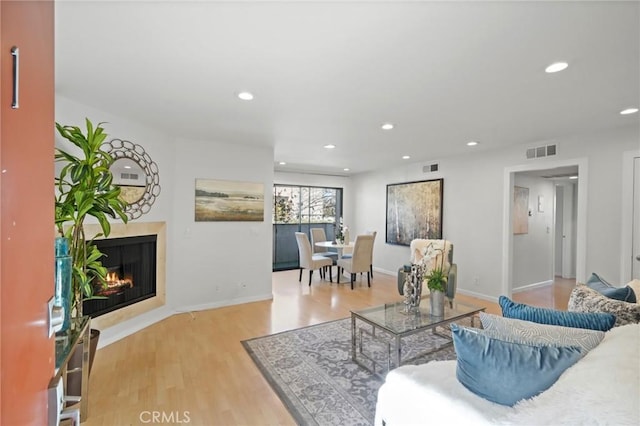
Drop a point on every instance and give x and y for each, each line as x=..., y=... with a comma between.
x=298, y=209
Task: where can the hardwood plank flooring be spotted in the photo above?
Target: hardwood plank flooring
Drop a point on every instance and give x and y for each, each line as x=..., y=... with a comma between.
x=192, y=369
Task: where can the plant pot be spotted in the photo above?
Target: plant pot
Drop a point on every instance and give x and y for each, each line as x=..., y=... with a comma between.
x=74, y=367
x=437, y=303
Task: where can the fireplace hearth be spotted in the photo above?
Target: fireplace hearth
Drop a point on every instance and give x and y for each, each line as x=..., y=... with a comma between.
x=131, y=277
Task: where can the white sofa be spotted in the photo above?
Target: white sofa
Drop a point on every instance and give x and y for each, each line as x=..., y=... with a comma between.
x=601, y=388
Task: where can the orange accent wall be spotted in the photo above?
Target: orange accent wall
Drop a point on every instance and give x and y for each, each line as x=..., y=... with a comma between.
x=26, y=211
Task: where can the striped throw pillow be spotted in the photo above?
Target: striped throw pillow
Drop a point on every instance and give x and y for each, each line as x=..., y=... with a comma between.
x=592, y=321
x=526, y=332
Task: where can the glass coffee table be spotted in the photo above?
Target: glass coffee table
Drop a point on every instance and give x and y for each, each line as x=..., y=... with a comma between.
x=390, y=323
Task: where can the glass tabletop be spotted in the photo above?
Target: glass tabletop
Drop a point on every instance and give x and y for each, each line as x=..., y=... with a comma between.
x=395, y=318
x=66, y=341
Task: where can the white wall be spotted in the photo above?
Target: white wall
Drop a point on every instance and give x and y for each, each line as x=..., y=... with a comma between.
x=473, y=206
x=219, y=263
x=533, y=251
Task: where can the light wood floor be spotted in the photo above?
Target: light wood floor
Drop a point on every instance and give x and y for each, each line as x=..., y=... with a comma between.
x=192, y=368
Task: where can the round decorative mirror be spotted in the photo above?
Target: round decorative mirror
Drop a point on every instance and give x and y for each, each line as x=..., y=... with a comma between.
x=136, y=174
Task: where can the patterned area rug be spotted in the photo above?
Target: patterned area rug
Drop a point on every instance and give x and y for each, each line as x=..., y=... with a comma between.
x=312, y=372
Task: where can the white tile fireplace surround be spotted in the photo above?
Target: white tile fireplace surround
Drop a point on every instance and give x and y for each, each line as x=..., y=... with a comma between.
x=134, y=229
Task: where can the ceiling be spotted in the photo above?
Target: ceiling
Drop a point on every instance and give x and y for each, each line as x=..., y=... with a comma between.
x=444, y=73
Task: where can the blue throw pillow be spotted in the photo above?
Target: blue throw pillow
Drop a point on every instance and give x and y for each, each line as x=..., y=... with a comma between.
x=505, y=372
x=625, y=294
x=589, y=320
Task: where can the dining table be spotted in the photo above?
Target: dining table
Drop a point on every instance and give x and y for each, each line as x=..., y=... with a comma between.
x=336, y=245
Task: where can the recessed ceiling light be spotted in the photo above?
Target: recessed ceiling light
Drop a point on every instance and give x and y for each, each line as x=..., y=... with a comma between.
x=346, y=169
x=556, y=66
x=573, y=177
x=245, y=96
x=405, y=157
x=472, y=143
x=629, y=111
x=330, y=146
x=387, y=126
x=282, y=163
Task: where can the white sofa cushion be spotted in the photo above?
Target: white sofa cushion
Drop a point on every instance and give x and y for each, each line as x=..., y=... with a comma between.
x=601, y=388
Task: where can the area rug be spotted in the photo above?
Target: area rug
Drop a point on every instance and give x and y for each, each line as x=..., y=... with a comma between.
x=312, y=372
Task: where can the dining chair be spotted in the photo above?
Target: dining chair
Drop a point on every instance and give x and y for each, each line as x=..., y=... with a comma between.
x=374, y=233
x=311, y=261
x=317, y=236
x=360, y=260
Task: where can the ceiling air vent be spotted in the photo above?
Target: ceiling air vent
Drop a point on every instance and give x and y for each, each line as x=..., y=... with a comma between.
x=541, y=151
x=430, y=168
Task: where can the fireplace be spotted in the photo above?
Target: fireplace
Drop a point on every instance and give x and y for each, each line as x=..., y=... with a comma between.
x=131, y=273
x=135, y=229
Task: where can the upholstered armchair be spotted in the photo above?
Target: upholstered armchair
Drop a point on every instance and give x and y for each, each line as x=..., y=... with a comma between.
x=419, y=249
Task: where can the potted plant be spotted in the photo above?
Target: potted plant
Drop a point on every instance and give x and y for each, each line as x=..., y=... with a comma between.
x=436, y=280
x=84, y=187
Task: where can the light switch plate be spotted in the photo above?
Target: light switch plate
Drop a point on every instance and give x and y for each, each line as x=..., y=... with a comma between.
x=49, y=315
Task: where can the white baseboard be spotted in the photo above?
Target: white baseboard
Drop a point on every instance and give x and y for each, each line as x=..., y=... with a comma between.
x=477, y=295
x=532, y=286
x=221, y=304
x=384, y=271
x=126, y=328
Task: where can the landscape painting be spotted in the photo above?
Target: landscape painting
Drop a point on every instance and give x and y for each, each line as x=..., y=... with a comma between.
x=231, y=201
x=414, y=210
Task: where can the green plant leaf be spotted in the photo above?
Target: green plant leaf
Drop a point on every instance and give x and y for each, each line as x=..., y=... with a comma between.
x=85, y=188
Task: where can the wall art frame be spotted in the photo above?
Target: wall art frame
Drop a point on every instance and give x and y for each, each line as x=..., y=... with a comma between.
x=520, y=210
x=228, y=201
x=140, y=196
x=414, y=210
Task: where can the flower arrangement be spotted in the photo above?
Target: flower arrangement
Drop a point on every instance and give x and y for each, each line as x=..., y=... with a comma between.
x=340, y=231
x=437, y=277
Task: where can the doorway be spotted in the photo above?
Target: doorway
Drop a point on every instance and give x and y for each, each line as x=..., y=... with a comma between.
x=630, y=237
x=529, y=260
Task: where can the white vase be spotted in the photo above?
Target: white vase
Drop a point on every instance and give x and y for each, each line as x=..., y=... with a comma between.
x=437, y=303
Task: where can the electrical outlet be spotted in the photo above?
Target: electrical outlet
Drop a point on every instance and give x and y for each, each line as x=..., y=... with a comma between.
x=476, y=281
x=242, y=285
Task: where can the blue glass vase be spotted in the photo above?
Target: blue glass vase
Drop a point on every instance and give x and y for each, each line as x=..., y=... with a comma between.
x=62, y=294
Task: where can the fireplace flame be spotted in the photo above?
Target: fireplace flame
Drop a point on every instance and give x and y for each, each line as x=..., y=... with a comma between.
x=115, y=284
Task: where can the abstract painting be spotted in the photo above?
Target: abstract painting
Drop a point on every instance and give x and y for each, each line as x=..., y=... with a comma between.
x=414, y=210
x=231, y=201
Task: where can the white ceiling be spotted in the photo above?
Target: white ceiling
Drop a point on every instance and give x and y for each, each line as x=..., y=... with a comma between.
x=326, y=72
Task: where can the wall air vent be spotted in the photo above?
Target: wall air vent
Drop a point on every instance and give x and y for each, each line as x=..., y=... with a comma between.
x=541, y=151
x=430, y=168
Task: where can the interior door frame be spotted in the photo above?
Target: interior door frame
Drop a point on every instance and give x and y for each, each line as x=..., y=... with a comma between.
x=507, y=225
x=626, y=231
